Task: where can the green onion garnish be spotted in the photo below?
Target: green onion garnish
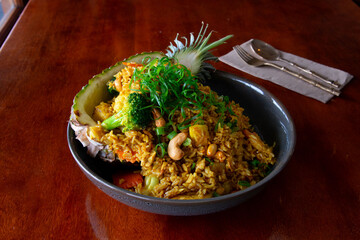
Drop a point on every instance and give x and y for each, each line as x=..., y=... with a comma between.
x=171, y=87
x=215, y=194
x=193, y=166
x=160, y=131
x=244, y=183
x=209, y=160
x=255, y=163
x=172, y=135
x=187, y=142
x=162, y=147
x=266, y=168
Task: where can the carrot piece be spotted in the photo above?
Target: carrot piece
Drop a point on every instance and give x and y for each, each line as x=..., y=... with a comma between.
x=247, y=133
x=127, y=180
x=126, y=157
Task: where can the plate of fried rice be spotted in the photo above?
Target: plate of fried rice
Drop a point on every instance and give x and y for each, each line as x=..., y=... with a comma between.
x=203, y=148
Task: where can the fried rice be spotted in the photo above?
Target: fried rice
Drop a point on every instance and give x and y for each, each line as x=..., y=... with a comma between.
x=229, y=158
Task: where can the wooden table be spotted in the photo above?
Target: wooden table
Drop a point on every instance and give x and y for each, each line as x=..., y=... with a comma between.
x=56, y=46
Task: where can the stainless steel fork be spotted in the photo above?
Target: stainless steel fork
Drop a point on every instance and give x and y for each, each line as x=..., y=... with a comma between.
x=249, y=59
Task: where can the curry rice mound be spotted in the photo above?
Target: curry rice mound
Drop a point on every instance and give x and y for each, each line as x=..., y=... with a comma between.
x=220, y=160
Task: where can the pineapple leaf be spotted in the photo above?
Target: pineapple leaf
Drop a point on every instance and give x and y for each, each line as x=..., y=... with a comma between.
x=186, y=41
x=179, y=44
x=193, y=53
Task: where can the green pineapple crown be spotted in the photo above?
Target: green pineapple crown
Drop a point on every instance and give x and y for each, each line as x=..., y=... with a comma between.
x=195, y=52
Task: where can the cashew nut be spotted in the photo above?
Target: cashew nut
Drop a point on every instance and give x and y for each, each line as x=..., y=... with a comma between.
x=117, y=84
x=211, y=150
x=174, y=151
x=159, y=120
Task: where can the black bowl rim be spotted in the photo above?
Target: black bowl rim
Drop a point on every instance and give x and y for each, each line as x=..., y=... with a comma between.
x=238, y=194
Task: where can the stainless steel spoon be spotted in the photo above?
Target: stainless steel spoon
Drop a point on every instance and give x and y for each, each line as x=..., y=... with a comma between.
x=270, y=53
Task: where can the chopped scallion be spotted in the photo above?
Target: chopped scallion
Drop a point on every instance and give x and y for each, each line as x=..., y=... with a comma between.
x=171, y=87
x=172, y=135
x=162, y=147
x=244, y=183
x=255, y=163
x=193, y=166
x=160, y=131
x=187, y=142
x=209, y=160
x=215, y=194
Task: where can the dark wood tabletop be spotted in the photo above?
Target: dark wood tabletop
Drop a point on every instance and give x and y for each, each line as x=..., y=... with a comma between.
x=56, y=46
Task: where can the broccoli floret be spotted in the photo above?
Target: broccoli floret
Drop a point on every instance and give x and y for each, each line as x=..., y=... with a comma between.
x=135, y=115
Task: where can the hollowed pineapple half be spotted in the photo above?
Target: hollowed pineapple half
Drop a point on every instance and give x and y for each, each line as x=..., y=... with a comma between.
x=192, y=55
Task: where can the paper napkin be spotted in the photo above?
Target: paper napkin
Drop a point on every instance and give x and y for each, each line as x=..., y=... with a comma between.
x=285, y=79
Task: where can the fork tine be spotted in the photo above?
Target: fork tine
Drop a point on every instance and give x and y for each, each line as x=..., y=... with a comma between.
x=239, y=52
x=242, y=53
x=249, y=57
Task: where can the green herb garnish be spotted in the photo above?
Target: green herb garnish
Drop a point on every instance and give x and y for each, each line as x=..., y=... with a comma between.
x=215, y=194
x=171, y=87
x=266, y=168
x=187, y=142
x=171, y=135
x=244, y=183
x=160, y=131
x=209, y=160
x=233, y=126
x=162, y=147
x=193, y=165
x=255, y=163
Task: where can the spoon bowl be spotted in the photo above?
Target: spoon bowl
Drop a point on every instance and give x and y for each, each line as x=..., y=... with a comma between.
x=265, y=50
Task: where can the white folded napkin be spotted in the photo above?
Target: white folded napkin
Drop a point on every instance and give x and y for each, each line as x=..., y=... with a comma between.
x=286, y=80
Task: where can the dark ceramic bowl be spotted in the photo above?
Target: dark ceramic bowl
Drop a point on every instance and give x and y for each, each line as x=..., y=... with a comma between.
x=269, y=118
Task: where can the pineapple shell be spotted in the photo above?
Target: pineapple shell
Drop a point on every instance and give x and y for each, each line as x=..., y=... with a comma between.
x=90, y=96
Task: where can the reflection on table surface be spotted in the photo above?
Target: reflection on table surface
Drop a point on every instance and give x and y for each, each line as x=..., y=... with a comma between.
x=56, y=46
